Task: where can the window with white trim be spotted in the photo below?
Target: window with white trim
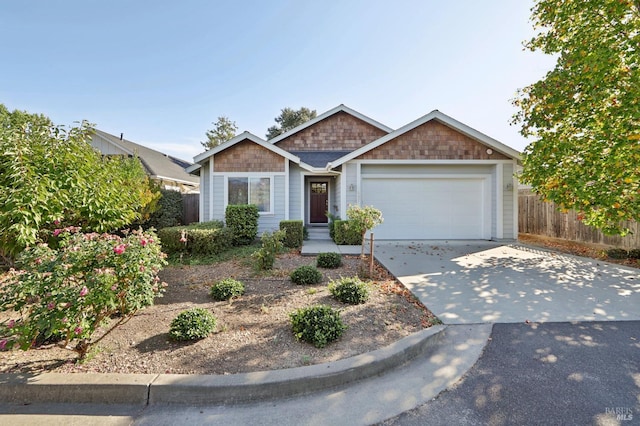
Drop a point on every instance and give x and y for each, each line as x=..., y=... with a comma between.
x=250, y=190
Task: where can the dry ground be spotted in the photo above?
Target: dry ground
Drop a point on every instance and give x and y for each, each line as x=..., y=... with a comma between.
x=253, y=332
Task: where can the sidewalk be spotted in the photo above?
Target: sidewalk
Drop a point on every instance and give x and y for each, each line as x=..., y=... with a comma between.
x=365, y=389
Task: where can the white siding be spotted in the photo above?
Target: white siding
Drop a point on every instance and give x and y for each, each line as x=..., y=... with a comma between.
x=508, y=202
x=295, y=192
x=271, y=222
x=106, y=147
x=352, y=179
x=204, y=192
x=218, y=197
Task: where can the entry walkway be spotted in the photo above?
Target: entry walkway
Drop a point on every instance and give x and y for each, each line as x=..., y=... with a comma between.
x=313, y=247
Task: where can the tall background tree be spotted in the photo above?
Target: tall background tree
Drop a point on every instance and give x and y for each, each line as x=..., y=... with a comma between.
x=51, y=177
x=288, y=119
x=223, y=130
x=584, y=115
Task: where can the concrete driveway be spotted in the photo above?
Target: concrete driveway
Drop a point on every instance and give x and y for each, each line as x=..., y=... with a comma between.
x=466, y=282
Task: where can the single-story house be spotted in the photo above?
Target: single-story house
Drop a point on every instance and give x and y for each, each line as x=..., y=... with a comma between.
x=434, y=178
x=168, y=171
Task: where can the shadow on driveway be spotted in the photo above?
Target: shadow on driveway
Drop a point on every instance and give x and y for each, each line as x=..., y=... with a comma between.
x=465, y=282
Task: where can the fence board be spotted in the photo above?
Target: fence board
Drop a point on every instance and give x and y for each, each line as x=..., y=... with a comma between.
x=543, y=218
x=190, y=208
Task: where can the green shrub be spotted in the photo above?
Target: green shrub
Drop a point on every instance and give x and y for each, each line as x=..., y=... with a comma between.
x=243, y=221
x=346, y=234
x=306, y=275
x=271, y=246
x=332, y=225
x=192, y=324
x=68, y=292
x=226, y=289
x=212, y=224
x=206, y=238
x=634, y=254
x=168, y=212
x=294, y=233
x=329, y=260
x=617, y=253
x=318, y=325
x=349, y=290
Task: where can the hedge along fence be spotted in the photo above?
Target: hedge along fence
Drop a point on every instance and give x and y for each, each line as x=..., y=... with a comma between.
x=538, y=217
x=346, y=234
x=294, y=230
x=207, y=238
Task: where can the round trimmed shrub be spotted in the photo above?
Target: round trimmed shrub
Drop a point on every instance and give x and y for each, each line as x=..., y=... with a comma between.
x=349, y=290
x=617, y=253
x=318, y=325
x=226, y=289
x=192, y=324
x=306, y=275
x=329, y=260
x=634, y=254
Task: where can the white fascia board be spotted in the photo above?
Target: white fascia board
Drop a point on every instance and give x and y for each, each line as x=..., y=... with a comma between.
x=187, y=182
x=433, y=115
x=192, y=168
x=242, y=137
x=329, y=113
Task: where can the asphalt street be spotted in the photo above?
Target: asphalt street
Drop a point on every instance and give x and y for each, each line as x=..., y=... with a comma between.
x=545, y=373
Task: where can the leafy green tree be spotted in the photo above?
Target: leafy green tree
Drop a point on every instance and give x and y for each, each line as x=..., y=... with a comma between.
x=51, y=177
x=288, y=119
x=223, y=130
x=584, y=115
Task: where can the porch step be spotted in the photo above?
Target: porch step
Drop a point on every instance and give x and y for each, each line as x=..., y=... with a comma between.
x=318, y=233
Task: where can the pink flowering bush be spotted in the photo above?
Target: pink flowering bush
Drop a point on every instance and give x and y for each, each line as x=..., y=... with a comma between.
x=91, y=281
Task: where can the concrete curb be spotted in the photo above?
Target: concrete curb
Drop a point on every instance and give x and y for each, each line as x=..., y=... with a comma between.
x=146, y=389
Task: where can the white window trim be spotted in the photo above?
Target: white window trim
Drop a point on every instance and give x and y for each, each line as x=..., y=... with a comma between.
x=271, y=178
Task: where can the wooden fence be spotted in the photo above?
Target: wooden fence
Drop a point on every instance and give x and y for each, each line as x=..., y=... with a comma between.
x=543, y=218
x=190, y=208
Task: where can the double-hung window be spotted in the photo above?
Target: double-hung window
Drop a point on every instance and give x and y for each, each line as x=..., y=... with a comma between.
x=250, y=190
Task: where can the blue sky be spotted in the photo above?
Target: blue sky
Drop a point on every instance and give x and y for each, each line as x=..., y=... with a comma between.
x=162, y=71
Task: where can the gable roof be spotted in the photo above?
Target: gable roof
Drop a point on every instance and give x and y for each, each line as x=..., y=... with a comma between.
x=440, y=117
x=242, y=137
x=156, y=163
x=339, y=108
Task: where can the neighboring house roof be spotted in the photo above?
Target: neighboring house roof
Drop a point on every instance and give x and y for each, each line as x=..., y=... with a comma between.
x=339, y=108
x=156, y=164
x=433, y=115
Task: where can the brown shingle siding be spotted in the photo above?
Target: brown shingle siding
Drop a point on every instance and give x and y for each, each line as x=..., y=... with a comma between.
x=432, y=141
x=339, y=132
x=247, y=157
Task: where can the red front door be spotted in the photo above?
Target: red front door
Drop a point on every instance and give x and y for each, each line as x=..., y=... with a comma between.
x=319, y=202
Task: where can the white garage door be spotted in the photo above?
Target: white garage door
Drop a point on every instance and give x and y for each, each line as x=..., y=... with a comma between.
x=430, y=208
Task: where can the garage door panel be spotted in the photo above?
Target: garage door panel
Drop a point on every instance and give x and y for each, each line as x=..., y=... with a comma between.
x=428, y=208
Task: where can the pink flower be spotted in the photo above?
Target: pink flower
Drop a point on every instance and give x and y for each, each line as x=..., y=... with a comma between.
x=142, y=268
x=64, y=320
x=114, y=287
x=56, y=222
x=11, y=324
x=183, y=237
x=84, y=291
x=78, y=330
x=119, y=249
x=183, y=240
x=51, y=305
x=56, y=232
x=38, y=261
x=143, y=242
x=3, y=344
